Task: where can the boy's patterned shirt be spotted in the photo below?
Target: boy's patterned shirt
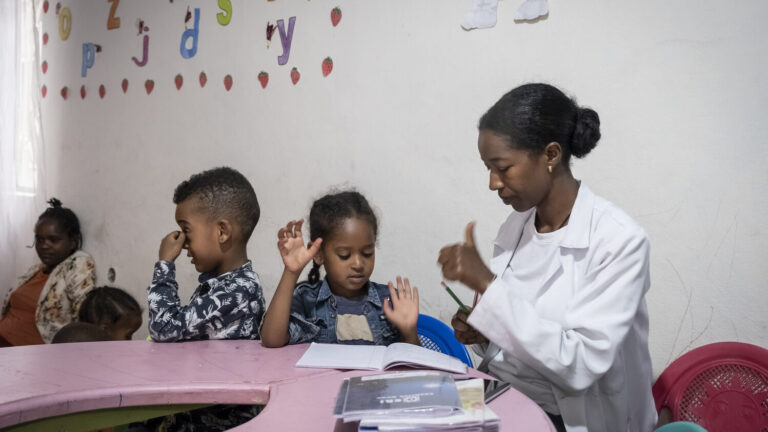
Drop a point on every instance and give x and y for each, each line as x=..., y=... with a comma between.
x=229, y=306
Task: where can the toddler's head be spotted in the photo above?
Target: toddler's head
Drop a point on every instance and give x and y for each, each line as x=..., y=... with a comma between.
x=217, y=210
x=80, y=332
x=348, y=227
x=113, y=310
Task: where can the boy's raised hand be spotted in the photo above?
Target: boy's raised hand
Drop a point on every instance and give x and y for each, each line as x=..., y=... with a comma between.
x=171, y=246
x=405, y=314
x=294, y=253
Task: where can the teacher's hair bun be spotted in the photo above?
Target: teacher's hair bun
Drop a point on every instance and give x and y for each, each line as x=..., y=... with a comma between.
x=54, y=203
x=586, y=132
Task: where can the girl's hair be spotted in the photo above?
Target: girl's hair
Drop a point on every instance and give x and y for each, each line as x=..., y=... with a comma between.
x=106, y=305
x=330, y=211
x=534, y=115
x=66, y=219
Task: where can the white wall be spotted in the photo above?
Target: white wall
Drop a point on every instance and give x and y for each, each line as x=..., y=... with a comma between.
x=679, y=87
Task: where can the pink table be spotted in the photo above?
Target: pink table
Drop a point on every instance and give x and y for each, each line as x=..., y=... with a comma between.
x=51, y=380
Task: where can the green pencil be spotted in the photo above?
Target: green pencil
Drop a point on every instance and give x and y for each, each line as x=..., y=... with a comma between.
x=462, y=306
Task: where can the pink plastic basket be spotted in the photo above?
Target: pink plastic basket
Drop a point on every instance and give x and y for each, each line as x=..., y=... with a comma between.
x=722, y=387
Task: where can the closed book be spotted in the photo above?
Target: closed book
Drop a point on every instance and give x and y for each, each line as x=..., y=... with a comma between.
x=407, y=394
x=474, y=416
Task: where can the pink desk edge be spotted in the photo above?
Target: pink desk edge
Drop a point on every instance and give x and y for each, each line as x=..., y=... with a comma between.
x=51, y=380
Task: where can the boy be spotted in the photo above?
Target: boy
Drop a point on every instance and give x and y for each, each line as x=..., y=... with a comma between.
x=217, y=211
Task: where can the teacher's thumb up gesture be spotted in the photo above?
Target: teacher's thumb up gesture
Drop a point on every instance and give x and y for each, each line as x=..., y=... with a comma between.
x=461, y=262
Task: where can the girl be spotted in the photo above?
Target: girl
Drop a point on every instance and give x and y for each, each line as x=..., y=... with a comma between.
x=113, y=310
x=345, y=307
x=49, y=295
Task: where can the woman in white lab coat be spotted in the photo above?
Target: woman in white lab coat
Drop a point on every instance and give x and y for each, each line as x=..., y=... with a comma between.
x=562, y=315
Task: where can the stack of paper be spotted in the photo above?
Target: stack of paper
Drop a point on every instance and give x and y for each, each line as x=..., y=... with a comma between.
x=415, y=401
x=475, y=415
x=408, y=394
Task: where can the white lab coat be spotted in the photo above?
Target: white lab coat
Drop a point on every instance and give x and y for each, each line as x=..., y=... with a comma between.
x=586, y=332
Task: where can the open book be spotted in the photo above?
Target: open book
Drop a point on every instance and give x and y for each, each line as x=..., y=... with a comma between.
x=374, y=357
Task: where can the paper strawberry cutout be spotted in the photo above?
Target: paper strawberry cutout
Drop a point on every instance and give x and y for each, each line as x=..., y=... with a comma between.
x=64, y=92
x=149, y=85
x=228, y=82
x=179, y=80
x=58, y=8
x=203, y=79
x=327, y=66
x=124, y=85
x=102, y=91
x=270, y=31
x=45, y=38
x=263, y=79
x=295, y=75
x=45, y=66
x=45, y=6
x=82, y=92
x=44, y=90
x=335, y=16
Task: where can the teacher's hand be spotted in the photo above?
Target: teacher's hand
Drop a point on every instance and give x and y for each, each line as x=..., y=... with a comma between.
x=464, y=332
x=461, y=262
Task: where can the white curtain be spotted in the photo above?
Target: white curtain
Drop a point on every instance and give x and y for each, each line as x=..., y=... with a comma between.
x=22, y=191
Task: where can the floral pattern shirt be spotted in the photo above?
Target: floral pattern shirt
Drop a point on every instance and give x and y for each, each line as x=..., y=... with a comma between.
x=63, y=293
x=228, y=306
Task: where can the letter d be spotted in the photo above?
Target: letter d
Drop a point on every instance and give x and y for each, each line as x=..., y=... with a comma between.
x=193, y=33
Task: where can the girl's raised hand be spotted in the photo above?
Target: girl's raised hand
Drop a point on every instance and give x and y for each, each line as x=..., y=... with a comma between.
x=405, y=314
x=294, y=253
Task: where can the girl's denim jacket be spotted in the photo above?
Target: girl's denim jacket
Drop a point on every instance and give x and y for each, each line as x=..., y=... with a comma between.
x=313, y=314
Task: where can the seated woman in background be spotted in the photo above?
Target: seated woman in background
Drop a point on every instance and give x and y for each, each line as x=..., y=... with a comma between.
x=49, y=295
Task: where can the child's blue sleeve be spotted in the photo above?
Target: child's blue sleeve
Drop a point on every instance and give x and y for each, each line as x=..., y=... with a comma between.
x=303, y=323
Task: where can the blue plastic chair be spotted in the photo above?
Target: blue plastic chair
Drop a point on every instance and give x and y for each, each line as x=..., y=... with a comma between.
x=681, y=426
x=435, y=335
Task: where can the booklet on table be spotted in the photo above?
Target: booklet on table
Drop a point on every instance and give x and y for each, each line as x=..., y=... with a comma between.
x=406, y=394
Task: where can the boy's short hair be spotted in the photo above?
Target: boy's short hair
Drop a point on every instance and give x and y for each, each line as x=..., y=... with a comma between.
x=80, y=332
x=224, y=192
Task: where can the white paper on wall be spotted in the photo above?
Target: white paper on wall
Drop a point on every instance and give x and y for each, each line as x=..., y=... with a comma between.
x=531, y=9
x=483, y=13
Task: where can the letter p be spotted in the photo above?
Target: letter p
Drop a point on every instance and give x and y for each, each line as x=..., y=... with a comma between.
x=89, y=55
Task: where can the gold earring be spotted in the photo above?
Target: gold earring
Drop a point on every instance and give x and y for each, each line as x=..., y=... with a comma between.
x=549, y=167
